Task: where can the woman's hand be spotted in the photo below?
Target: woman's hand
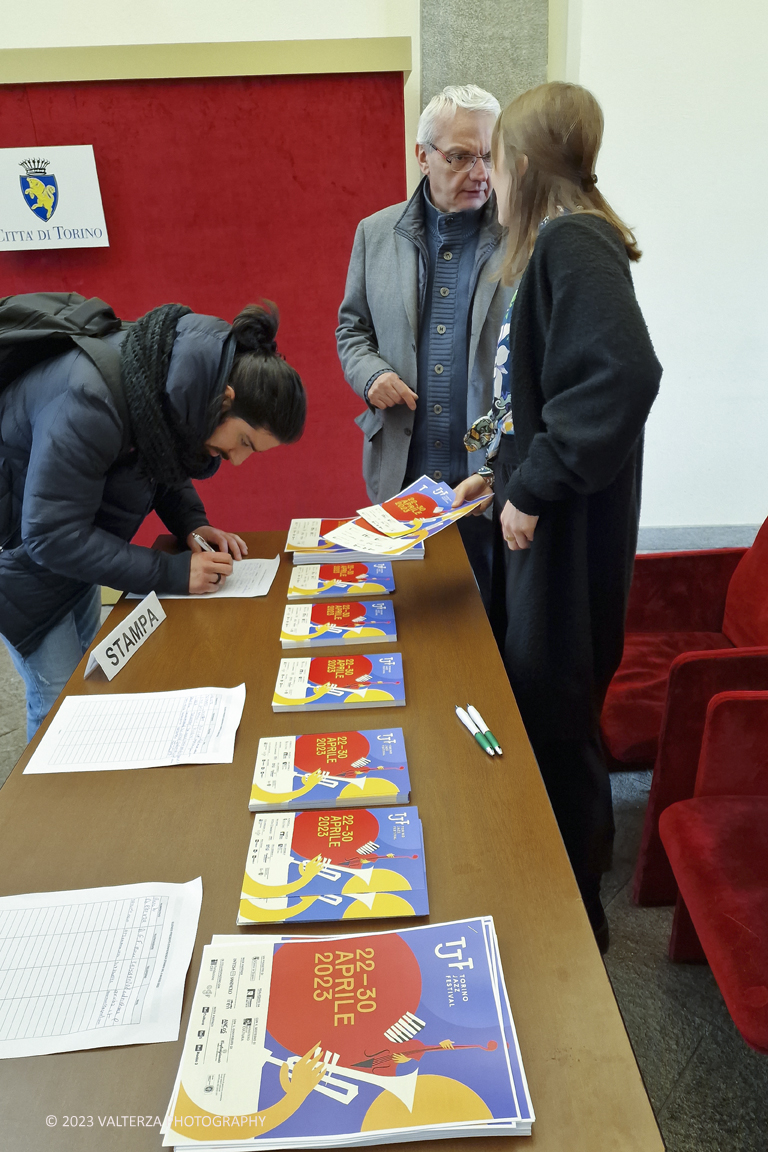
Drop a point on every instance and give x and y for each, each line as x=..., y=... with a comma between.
x=517, y=528
x=222, y=541
x=470, y=489
x=208, y=571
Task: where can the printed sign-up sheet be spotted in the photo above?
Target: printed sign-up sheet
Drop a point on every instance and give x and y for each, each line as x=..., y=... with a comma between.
x=94, y=967
x=141, y=730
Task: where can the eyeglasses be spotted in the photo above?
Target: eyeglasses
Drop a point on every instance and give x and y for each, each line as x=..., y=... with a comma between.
x=463, y=161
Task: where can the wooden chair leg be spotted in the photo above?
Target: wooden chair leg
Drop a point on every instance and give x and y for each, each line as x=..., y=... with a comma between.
x=684, y=946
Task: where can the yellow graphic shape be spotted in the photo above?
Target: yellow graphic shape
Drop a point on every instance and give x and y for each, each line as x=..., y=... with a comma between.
x=258, y=915
x=266, y=796
x=380, y=880
x=370, y=694
x=438, y=1100
x=370, y=786
x=308, y=869
x=322, y=629
x=383, y=904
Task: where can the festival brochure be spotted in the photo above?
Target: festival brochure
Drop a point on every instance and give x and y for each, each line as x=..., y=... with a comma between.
x=420, y=510
x=302, y=863
x=348, y=622
x=323, y=683
x=333, y=907
x=310, y=540
x=302, y=1042
x=324, y=769
x=515, y=1059
x=316, y=581
x=361, y=540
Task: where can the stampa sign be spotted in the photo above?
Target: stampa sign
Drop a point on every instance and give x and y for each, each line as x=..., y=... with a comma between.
x=50, y=198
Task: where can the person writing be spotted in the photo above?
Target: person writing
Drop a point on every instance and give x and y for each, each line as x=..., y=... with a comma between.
x=75, y=485
x=576, y=378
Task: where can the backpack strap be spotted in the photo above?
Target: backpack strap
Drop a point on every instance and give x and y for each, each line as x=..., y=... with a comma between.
x=107, y=361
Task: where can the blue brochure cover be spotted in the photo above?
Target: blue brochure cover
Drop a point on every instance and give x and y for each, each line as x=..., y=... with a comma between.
x=329, y=581
x=322, y=769
x=420, y=510
x=337, y=851
x=329, y=1039
x=322, y=683
x=348, y=622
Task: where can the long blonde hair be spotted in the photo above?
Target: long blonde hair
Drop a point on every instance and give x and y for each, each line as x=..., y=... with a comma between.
x=559, y=128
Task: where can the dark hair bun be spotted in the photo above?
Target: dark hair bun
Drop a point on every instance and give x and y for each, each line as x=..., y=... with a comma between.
x=255, y=328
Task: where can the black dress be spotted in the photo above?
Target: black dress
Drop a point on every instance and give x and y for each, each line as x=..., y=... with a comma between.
x=583, y=378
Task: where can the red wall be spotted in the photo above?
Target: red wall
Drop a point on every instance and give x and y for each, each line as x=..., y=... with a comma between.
x=217, y=192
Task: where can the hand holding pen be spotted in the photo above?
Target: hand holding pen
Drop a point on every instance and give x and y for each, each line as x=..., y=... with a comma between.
x=208, y=568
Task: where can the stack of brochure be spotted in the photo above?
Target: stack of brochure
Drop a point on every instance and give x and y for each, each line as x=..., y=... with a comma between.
x=331, y=581
x=355, y=622
x=347, y=1041
x=328, y=769
x=334, y=864
x=419, y=511
x=322, y=683
x=308, y=541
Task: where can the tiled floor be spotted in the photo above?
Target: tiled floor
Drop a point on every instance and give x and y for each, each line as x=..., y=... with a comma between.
x=709, y=1090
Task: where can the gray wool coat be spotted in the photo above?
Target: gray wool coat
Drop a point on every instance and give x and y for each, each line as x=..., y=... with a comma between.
x=379, y=328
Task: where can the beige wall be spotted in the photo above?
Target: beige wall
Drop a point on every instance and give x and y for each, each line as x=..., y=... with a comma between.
x=684, y=88
x=84, y=22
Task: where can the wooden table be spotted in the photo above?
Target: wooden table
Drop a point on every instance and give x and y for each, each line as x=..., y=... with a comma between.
x=492, y=847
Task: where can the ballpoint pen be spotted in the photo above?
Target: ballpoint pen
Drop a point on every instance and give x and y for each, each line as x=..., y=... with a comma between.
x=203, y=543
x=475, y=715
x=470, y=725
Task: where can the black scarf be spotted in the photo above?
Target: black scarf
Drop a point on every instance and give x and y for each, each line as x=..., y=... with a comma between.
x=169, y=452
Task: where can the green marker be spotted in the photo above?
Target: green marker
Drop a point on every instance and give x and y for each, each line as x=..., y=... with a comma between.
x=473, y=728
x=473, y=712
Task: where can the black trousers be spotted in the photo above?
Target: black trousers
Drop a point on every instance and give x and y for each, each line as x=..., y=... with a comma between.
x=579, y=789
x=477, y=537
x=559, y=712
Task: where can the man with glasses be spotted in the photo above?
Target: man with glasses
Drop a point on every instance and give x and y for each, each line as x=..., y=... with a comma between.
x=420, y=319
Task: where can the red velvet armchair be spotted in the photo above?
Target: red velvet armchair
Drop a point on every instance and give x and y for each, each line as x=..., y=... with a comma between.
x=717, y=843
x=697, y=625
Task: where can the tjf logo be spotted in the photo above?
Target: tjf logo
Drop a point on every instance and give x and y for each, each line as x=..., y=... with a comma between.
x=39, y=188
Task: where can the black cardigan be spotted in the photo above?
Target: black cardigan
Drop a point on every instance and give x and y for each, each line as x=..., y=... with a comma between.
x=583, y=376
x=583, y=370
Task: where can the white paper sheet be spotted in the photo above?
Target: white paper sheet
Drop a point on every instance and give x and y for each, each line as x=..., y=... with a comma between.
x=141, y=730
x=249, y=578
x=359, y=539
x=95, y=967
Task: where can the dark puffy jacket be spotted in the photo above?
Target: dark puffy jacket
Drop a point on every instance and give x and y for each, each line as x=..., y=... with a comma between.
x=70, y=503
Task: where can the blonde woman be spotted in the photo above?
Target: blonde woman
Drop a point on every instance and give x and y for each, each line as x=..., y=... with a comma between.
x=576, y=377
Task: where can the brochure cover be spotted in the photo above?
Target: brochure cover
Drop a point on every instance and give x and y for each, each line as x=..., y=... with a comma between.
x=421, y=510
x=312, y=581
x=308, y=535
x=312, y=540
x=330, y=768
x=321, y=625
x=323, y=683
x=342, y=852
x=340, y=1041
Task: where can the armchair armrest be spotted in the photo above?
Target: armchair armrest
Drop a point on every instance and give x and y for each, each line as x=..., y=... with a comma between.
x=694, y=678
x=734, y=750
x=681, y=591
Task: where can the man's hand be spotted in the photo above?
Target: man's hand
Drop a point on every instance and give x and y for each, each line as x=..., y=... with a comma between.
x=388, y=390
x=221, y=541
x=208, y=571
x=517, y=528
x=470, y=489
